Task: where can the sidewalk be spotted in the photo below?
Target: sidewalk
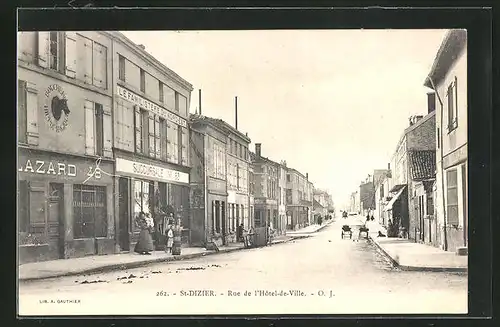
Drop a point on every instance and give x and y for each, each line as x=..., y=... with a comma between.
x=310, y=229
x=408, y=255
x=102, y=263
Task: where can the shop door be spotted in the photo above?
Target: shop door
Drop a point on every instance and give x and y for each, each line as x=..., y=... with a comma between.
x=124, y=214
x=56, y=218
x=224, y=222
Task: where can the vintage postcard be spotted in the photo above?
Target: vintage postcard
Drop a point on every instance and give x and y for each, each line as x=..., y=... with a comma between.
x=242, y=172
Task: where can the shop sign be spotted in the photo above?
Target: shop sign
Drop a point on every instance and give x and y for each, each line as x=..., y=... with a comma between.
x=150, y=106
x=150, y=171
x=56, y=108
x=48, y=168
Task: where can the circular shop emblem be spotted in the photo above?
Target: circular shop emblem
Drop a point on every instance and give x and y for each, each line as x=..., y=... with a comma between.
x=56, y=108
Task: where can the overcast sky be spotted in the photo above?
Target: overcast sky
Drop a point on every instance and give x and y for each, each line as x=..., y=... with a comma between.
x=332, y=103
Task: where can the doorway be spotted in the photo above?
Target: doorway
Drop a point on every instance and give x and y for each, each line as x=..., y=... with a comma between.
x=123, y=214
x=56, y=218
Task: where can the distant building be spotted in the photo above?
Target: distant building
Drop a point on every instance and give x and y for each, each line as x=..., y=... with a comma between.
x=448, y=78
x=298, y=208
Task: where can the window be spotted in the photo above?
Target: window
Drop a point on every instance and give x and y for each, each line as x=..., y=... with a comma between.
x=182, y=104
x=54, y=50
x=172, y=142
x=143, y=80
x=151, y=135
x=142, y=199
x=98, y=128
x=21, y=112
x=121, y=68
x=169, y=98
x=452, y=197
x=160, y=91
x=288, y=178
x=430, y=204
x=89, y=211
x=452, y=105
x=163, y=139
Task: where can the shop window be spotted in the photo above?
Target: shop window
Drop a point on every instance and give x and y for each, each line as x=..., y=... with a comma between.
x=21, y=112
x=143, y=199
x=23, y=206
x=121, y=68
x=89, y=211
x=452, y=197
x=98, y=129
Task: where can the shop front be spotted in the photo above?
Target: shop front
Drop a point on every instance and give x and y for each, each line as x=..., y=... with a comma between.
x=237, y=213
x=64, y=206
x=217, y=224
x=266, y=213
x=158, y=190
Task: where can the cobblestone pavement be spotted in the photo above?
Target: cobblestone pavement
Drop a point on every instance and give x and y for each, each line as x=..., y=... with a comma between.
x=323, y=274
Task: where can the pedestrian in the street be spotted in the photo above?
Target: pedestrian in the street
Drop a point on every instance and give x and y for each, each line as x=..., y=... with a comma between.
x=169, y=239
x=145, y=243
x=240, y=232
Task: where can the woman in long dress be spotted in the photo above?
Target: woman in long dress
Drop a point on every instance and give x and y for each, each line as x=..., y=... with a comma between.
x=170, y=239
x=145, y=243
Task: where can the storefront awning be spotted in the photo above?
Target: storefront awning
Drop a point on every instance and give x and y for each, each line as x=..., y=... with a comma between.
x=394, y=199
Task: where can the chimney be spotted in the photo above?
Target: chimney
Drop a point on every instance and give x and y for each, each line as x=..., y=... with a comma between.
x=307, y=176
x=257, y=149
x=236, y=113
x=199, y=100
x=142, y=46
x=431, y=102
x=389, y=166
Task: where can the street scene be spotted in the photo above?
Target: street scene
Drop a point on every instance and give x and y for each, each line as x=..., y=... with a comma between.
x=353, y=275
x=288, y=180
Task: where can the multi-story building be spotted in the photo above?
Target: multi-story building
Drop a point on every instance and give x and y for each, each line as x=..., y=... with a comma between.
x=320, y=202
x=417, y=138
x=382, y=180
x=448, y=79
x=297, y=206
x=367, y=196
x=309, y=200
x=151, y=140
x=282, y=197
x=65, y=200
x=265, y=172
x=355, y=202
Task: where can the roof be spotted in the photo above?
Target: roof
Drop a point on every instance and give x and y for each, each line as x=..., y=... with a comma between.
x=317, y=204
x=422, y=164
x=453, y=44
x=220, y=124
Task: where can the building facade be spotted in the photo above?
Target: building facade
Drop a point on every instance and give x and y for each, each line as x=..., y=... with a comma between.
x=151, y=142
x=209, y=181
x=297, y=208
x=448, y=79
x=282, y=197
x=65, y=168
x=265, y=172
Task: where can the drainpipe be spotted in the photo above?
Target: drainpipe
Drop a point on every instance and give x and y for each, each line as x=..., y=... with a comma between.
x=442, y=169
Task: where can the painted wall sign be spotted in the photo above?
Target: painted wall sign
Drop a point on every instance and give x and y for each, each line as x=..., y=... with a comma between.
x=150, y=171
x=48, y=168
x=56, y=108
x=148, y=105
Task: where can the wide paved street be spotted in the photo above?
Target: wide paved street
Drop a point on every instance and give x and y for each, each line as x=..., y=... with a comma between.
x=321, y=274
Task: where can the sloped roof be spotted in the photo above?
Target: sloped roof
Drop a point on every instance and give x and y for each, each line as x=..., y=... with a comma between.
x=422, y=164
x=316, y=204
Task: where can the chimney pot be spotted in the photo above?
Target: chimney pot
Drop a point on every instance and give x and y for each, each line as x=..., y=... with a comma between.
x=307, y=176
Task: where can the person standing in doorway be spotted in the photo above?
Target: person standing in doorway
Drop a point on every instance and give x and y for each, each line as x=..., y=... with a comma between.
x=145, y=243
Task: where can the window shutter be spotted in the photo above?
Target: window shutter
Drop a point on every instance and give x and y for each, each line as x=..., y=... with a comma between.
x=43, y=49
x=157, y=137
x=99, y=65
x=26, y=46
x=21, y=112
x=163, y=138
x=107, y=129
x=151, y=135
x=169, y=140
x=89, y=128
x=87, y=60
x=32, y=113
x=71, y=54
x=138, y=129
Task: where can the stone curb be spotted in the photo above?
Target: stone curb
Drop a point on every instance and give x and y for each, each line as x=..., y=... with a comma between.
x=395, y=263
x=138, y=264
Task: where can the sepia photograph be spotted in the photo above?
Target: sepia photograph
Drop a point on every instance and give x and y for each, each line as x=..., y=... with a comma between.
x=242, y=172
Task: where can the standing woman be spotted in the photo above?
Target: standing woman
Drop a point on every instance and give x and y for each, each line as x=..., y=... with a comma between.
x=145, y=243
x=170, y=239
